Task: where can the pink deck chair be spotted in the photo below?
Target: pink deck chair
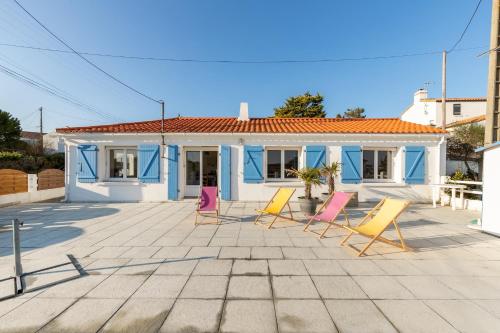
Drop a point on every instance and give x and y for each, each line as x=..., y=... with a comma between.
x=329, y=211
x=208, y=203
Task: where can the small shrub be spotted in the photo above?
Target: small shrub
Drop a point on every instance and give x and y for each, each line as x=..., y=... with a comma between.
x=10, y=155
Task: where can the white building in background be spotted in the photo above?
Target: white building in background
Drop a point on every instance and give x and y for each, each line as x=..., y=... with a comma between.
x=427, y=111
x=53, y=143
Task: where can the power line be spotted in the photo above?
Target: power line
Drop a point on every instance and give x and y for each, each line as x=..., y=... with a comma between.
x=84, y=58
x=233, y=61
x=466, y=27
x=49, y=90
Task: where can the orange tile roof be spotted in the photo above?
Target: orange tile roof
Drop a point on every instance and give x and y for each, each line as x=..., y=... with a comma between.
x=456, y=99
x=262, y=125
x=465, y=121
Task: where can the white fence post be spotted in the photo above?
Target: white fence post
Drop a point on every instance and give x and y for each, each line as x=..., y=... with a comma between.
x=32, y=182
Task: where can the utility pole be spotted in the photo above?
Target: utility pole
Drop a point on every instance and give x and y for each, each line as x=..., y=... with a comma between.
x=41, y=129
x=162, y=104
x=443, y=90
x=492, y=133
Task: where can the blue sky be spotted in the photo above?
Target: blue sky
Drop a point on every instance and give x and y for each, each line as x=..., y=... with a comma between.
x=241, y=30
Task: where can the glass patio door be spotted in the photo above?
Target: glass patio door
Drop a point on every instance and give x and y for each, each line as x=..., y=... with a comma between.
x=200, y=169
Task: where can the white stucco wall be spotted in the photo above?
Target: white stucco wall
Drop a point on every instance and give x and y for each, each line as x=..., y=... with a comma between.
x=135, y=191
x=428, y=112
x=490, y=221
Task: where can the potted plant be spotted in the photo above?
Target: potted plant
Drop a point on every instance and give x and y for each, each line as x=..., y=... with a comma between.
x=310, y=177
x=330, y=172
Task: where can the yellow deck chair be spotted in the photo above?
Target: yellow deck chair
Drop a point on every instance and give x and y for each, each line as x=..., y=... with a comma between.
x=276, y=205
x=375, y=223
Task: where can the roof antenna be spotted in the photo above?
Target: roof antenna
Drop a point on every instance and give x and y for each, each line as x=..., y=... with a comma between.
x=427, y=84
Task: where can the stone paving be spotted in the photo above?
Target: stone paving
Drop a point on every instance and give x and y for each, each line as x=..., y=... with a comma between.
x=147, y=268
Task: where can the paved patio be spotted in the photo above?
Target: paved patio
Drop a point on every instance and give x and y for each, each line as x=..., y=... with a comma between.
x=146, y=268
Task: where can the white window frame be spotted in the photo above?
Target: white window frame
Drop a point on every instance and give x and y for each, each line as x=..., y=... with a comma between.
x=282, y=149
x=375, y=162
x=124, y=178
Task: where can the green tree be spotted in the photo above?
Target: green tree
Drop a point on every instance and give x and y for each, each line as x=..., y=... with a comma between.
x=10, y=130
x=353, y=113
x=462, y=143
x=303, y=106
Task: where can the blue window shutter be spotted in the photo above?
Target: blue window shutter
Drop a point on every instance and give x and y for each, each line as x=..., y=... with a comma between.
x=253, y=160
x=173, y=172
x=315, y=156
x=351, y=164
x=225, y=170
x=415, y=165
x=87, y=164
x=149, y=163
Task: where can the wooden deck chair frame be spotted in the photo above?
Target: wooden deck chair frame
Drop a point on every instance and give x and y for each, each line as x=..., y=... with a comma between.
x=402, y=245
x=209, y=213
x=276, y=216
x=332, y=221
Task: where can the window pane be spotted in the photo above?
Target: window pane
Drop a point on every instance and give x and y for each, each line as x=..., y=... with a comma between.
x=274, y=164
x=291, y=161
x=192, y=168
x=456, y=109
x=131, y=163
x=209, y=168
x=116, y=163
x=384, y=165
x=368, y=164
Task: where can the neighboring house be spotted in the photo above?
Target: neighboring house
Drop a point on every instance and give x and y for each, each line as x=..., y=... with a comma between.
x=32, y=138
x=53, y=143
x=427, y=111
x=247, y=158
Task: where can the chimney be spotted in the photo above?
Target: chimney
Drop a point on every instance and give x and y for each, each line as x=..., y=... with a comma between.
x=243, y=112
x=420, y=94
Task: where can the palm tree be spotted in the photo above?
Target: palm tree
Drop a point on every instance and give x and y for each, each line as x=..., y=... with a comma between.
x=330, y=172
x=310, y=177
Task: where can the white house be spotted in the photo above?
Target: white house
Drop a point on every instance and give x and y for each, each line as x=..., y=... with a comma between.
x=427, y=111
x=247, y=157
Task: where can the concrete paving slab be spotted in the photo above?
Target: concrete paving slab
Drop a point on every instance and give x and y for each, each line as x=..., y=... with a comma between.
x=161, y=286
x=382, y=287
x=338, y=287
x=140, y=252
x=33, y=314
x=324, y=267
x=203, y=252
x=250, y=287
x=231, y=252
x=10, y=304
x=172, y=252
x=117, y=286
x=206, y=287
x=177, y=267
x=398, y=267
x=86, y=315
x=105, y=266
x=139, y=315
x=250, y=267
x=300, y=287
x=427, y=287
x=193, y=315
x=413, y=316
x=266, y=252
x=140, y=267
x=109, y=252
x=360, y=267
x=472, y=287
x=249, y=316
x=490, y=305
x=298, y=253
x=74, y=288
x=303, y=316
x=465, y=316
x=353, y=316
x=287, y=267
x=213, y=267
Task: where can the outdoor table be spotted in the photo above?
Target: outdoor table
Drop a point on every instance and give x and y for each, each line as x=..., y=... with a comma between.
x=436, y=189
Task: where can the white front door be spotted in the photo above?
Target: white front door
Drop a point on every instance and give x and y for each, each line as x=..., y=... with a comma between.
x=200, y=165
